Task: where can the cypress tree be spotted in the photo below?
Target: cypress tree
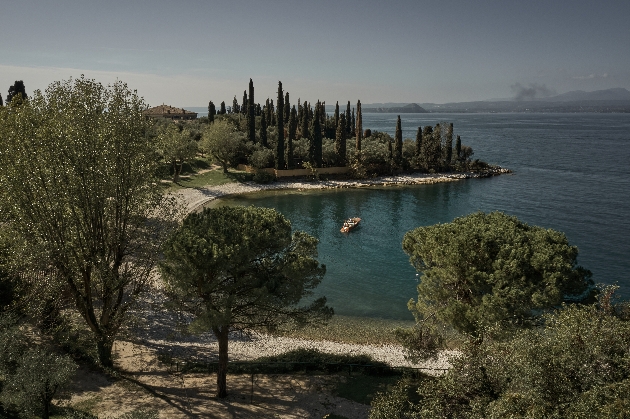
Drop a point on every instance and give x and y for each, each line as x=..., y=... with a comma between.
x=359, y=129
x=418, y=142
x=287, y=107
x=244, y=105
x=272, y=113
x=317, y=139
x=292, y=129
x=304, y=126
x=251, y=118
x=427, y=140
x=337, y=115
x=458, y=148
x=398, y=143
x=212, y=111
x=349, y=132
x=222, y=110
x=1, y=100
x=340, y=140
x=280, y=164
x=17, y=88
x=448, y=146
x=263, y=129
x=235, y=107
x=436, y=147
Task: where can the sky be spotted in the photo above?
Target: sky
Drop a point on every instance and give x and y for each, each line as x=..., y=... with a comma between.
x=187, y=52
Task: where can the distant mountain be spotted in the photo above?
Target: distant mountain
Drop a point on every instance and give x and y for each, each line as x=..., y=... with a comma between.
x=410, y=108
x=618, y=93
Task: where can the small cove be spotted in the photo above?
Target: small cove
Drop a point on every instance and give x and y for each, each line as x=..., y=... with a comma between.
x=570, y=174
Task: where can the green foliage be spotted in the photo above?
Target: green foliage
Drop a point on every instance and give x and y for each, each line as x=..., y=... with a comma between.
x=223, y=141
x=79, y=184
x=488, y=269
x=242, y=268
x=36, y=380
x=176, y=146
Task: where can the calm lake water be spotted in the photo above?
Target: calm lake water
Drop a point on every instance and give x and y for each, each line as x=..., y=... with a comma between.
x=571, y=173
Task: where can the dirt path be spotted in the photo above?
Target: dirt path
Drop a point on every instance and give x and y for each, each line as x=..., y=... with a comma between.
x=148, y=384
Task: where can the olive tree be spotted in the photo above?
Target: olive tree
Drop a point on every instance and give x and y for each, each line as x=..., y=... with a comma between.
x=487, y=269
x=242, y=268
x=176, y=146
x=223, y=141
x=78, y=182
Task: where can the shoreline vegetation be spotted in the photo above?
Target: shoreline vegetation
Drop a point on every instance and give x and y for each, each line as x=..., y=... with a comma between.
x=193, y=198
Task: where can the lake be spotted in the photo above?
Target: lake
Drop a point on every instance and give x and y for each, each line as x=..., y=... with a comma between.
x=571, y=173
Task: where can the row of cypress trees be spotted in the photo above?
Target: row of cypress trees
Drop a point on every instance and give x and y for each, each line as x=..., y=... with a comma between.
x=433, y=149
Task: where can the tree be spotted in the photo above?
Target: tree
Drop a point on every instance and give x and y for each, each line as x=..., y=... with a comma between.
x=292, y=130
x=574, y=366
x=36, y=380
x=448, y=146
x=222, y=110
x=458, y=149
x=224, y=142
x=398, y=143
x=280, y=163
x=305, y=119
x=263, y=130
x=488, y=269
x=79, y=184
x=17, y=89
x=349, y=131
x=317, y=139
x=176, y=146
x=212, y=111
x=340, y=140
x=242, y=268
x=251, y=118
x=359, y=128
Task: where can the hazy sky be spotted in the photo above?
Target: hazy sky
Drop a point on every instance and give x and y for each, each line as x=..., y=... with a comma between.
x=185, y=53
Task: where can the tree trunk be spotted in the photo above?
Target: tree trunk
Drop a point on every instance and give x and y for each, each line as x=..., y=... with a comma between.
x=104, y=348
x=175, y=172
x=222, y=336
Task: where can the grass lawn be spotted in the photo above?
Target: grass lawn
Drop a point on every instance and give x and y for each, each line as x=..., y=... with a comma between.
x=201, y=172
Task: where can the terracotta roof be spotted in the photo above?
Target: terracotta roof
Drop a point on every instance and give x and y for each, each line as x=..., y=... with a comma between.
x=166, y=110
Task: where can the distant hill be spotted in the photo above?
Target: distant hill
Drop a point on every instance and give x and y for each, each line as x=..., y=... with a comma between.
x=607, y=94
x=410, y=108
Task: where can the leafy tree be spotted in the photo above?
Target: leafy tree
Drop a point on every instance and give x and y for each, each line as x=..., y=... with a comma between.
x=575, y=366
x=280, y=163
x=36, y=380
x=17, y=89
x=242, y=268
x=487, y=269
x=176, y=146
x=359, y=128
x=235, y=107
x=398, y=142
x=224, y=142
x=79, y=184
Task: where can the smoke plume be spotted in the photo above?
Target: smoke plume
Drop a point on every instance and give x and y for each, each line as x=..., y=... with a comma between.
x=533, y=91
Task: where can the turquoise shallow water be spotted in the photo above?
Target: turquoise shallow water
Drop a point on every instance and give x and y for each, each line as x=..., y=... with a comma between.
x=571, y=173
